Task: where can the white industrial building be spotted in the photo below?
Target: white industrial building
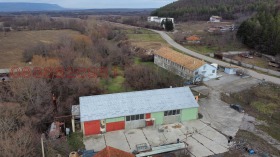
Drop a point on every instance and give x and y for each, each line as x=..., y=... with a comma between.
x=159, y=19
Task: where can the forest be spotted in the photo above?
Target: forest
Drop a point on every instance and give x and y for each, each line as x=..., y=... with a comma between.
x=262, y=32
x=184, y=10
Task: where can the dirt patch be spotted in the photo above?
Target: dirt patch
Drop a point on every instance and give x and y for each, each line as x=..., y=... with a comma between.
x=260, y=146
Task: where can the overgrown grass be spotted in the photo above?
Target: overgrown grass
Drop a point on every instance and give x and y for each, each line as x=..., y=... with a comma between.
x=150, y=37
x=75, y=141
x=137, y=61
x=202, y=49
x=114, y=85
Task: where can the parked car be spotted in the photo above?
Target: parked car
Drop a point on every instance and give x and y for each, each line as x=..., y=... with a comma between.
x=237, y=107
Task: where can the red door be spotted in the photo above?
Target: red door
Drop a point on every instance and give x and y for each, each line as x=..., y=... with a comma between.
x=115, y=126
x=92, y=127
x=148, y=123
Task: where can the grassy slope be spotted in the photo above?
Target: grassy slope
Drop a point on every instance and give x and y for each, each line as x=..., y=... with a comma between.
x=14, y=43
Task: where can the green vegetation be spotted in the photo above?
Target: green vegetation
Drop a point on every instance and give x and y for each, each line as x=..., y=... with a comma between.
x=114, y=85
x=202, y=49
x=262, y=102
x=148, y=37
x=168, y=24
x=75, y=141
x=202, y=9
x=262, y=32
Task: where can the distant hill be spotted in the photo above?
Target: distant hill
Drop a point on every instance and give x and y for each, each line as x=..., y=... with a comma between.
x=183, y=10
x=19, y=7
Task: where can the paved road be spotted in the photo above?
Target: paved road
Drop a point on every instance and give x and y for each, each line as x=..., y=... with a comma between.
x=254, y=74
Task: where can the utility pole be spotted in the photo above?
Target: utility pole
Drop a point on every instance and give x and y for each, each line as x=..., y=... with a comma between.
x=42, y=144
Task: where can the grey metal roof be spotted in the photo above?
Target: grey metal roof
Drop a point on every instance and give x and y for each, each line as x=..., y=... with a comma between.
x=132, y=103
x=75, y=110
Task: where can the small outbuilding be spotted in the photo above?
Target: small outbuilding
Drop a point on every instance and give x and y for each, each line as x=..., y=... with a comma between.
x=231, y=70
x=129, y=110
x=215, y=19
x=194, y=39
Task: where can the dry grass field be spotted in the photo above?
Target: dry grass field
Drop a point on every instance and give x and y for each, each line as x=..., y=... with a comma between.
x=14, y=43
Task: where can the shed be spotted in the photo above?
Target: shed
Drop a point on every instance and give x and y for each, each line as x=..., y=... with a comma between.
x=194, y=39
x=231, y=70
x=110, y=112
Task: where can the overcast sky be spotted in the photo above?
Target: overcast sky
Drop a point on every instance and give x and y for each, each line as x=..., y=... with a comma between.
x=101, y=3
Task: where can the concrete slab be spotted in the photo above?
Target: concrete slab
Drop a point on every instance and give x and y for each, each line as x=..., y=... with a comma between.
x=154, y=137
x=201, y=89
x=202, y=139
x=134, y=137
x=197, y=149
x=192, y=126
x=215, y=136
x=211, y=145
x=117, y=140
x=96, y=143
x=172, y=132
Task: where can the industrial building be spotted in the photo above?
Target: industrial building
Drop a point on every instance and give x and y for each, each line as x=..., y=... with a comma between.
x=129, y=110
x=184, y=65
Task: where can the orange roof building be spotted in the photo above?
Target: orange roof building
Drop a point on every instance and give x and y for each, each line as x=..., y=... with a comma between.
x=113, y=152
x=183, y=65
x=193, y=38
x=186, y=61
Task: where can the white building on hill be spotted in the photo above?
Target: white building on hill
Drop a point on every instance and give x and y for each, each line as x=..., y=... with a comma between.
x=215, y=19
x=159, y=19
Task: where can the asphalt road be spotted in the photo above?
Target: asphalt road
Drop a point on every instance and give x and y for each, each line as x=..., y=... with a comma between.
x=252, y=73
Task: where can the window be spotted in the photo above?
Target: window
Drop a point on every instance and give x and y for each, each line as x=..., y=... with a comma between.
x=196, y=73
x=135, y=117
x=171, y=112
x=213, y=71
x=127, y=118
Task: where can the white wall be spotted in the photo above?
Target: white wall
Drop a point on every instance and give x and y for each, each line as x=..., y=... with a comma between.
x=206, y=71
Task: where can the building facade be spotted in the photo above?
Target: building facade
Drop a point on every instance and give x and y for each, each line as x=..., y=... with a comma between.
x=111, y=112
x=159, y=19
x=184, y=66
x=215, y=19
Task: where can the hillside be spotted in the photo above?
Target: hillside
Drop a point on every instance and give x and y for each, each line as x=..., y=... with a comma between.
x=184, y=10
x=18, y=7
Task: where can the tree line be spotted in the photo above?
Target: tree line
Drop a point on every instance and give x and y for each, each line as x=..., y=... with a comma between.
x=43, y=22
x=184, y=10
x=262, y=32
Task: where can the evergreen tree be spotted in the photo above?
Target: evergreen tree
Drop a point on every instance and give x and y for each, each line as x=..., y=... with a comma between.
x=168, y=25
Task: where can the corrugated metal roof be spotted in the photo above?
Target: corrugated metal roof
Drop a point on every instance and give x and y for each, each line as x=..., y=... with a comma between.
x=184, y=60
x=132, y=103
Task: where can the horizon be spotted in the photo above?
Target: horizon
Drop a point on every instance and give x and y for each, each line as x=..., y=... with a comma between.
x=105, y=4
